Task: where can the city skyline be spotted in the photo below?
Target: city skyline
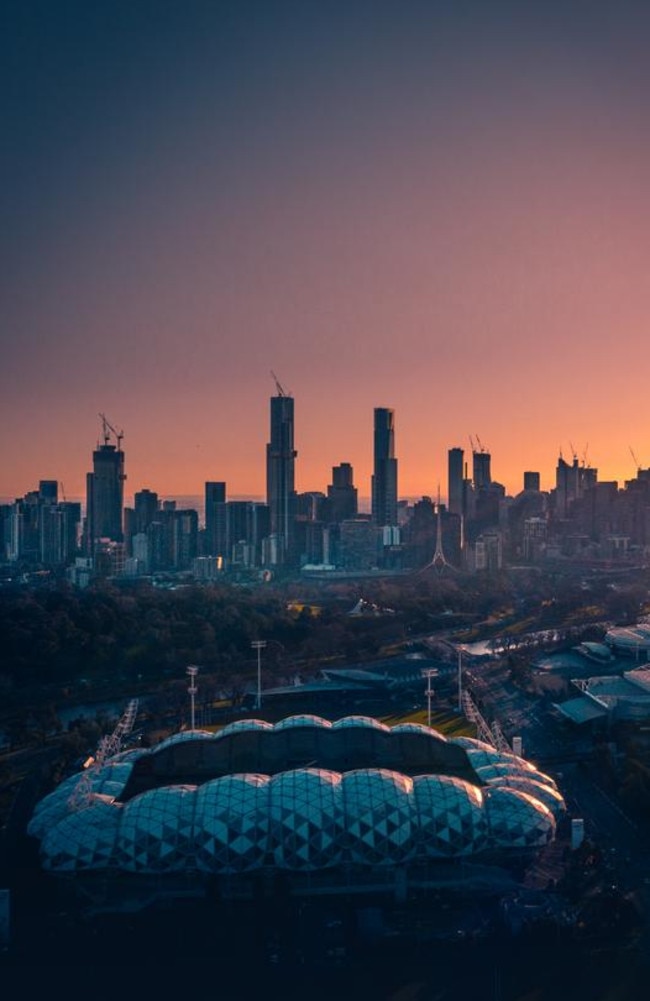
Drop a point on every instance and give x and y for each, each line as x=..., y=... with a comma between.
x=475, y=457
x=435, y=210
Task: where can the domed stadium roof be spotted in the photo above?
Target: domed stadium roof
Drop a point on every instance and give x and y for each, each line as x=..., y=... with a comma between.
x=189, y=806
x=244, y=724
x=307, y=720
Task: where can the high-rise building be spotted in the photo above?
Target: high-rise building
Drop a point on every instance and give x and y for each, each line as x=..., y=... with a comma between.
x=105, y=491
x=456, y=476
x=280, y=472
x=481, y=470
x=215, y=519
x=48, y=491
x=342, y=494
x=146, y=505
x=567, y=485
x=384, y=478
x=247, y=525
x=531, y=480
x=58, y=532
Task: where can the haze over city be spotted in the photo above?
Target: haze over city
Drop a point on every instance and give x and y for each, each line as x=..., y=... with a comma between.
x=438, y=208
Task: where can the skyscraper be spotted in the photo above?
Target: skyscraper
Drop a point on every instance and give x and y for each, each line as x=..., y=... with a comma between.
x=280, y=470
x=455, y=477
x=145, y=503
x=342, y=493
x=105, y=490
x=481, y=469
x=384, y=478
x=215, y=518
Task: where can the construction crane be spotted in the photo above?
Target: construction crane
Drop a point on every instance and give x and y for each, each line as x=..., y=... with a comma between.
x=107, y=429
x=108, y=747
x=481, y=446
x=278, y=385
x=636, y=461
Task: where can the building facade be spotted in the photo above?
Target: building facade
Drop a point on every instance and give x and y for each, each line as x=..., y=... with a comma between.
x=280, y=472
x=384, y=477
x=105, y=495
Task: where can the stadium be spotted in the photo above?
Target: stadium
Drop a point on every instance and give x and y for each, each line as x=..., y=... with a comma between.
x=307, y=804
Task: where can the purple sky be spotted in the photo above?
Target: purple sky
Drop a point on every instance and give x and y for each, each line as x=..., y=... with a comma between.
x=441, y=207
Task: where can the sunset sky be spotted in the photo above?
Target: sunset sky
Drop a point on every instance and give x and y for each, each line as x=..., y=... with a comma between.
x=440, y=207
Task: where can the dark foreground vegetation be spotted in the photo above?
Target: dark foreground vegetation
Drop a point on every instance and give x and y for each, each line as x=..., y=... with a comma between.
x=58, y=641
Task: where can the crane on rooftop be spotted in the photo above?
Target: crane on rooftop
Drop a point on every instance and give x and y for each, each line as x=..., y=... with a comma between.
x=278, y=385
x=107, y=429
x=636, y=461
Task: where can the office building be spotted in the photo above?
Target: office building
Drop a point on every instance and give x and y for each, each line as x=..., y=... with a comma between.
x=215, y=542
x=342, y=494
x=481, y=469
x=105, y=492
x=384, y=478
x=456, y=476
x=280, y=472
x=146, y=509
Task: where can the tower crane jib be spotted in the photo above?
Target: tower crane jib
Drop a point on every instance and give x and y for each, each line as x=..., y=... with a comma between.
x=108, y=429
x=278, y=385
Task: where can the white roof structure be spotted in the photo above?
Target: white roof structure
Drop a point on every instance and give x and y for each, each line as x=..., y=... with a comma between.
x=629, y=639
x=300, y=818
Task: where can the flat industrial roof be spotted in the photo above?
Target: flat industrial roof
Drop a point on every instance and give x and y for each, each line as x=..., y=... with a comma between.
x=581, y=710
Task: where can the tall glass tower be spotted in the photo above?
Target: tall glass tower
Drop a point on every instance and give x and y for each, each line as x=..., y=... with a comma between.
x=105, y=491
x=384, y=478
x=456, y=475
x=280, y=471
x=215, y=518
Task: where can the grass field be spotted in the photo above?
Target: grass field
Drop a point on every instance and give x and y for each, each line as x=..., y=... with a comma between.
x=450, y=724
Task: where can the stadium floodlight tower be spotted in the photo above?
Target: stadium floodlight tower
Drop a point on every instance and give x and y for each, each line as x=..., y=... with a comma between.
x=192, y=672
x=429, y=674
x=108, y=747
x=259, y=646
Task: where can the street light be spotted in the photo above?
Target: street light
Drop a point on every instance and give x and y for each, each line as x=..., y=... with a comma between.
x=259, y=646
x=460, y=679
x=192, y=672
